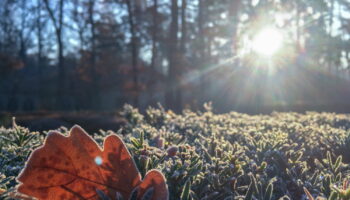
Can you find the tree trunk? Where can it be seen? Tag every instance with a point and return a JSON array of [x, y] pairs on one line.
[[201, 88], [172, 43], [23, 47], [183, 25], [61, 78], [179, 74], [298, 16], [233, 15], [330, 45], [154, 49], [134, 51], [61, 84], [40, 54], [94, 93]]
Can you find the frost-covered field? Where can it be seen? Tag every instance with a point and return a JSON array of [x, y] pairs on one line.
[[220, 156]]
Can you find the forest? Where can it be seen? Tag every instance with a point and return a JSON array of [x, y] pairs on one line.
[[248, 55], [175, 99]]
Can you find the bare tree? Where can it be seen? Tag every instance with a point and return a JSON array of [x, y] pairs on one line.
[[297, 26], [58, 26], [179, 89], [134, 48], [155, 30], [183, 25], [93, 71], [40, 57], [201, 46], [172, 54]]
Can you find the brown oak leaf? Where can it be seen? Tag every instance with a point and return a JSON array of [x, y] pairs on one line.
[[75, 167]]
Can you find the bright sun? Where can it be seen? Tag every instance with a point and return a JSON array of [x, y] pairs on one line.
[[267, 41]]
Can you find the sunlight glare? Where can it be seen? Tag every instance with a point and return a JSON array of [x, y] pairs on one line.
[[267, 41], [98, 160]]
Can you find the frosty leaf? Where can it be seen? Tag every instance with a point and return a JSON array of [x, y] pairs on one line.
[[75, 167], [156, 180]]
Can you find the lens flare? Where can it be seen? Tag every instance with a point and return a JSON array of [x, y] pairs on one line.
[[267, 42], [98, 160]]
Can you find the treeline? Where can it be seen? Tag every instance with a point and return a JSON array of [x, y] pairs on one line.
[[88, 54]]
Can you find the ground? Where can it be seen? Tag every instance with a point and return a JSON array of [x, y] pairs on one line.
[[222, 156]]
